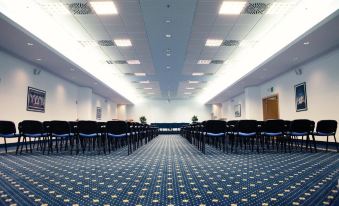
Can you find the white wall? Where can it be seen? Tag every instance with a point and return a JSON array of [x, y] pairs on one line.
[[108, 108], [61, 95], [322, 86], [164, 111], [228, 107]]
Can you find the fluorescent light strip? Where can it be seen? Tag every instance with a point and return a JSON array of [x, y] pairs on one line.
[[58, 33], [193, 82], [231, 7], [104, 7], [297, 22]]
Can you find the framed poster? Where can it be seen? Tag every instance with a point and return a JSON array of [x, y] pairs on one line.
[[300, 97], [36, 100], [237, 110], [98, 113]]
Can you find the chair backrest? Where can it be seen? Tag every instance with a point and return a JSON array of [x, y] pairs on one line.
[[31, 127], [327, 126], [7, 127], [301, 125], [117, 127], [87, 127], [247, 126], [60, 127], [47, 126], [274, 125], [215, 126]]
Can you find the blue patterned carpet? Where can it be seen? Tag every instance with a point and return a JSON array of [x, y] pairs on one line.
[[170, 171]]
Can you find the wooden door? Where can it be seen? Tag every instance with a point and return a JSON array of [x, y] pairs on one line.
[[271, 107]]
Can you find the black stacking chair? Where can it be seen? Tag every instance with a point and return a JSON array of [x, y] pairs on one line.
[[32, 129], [247, 132], [117, 131], [302, 128], [231, 130], [327, 128], [61, 132], [273, 131], [89, 134], [7, 130], [215, 130]]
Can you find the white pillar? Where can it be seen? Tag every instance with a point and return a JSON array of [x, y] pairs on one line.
[[84, 103], [253, 103]]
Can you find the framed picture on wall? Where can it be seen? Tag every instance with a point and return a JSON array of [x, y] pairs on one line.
[[98, 113], [300, 97], [36, 100], [237, 110]]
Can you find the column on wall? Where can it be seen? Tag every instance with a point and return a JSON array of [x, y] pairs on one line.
[[216, 111], [84, 103], [253, 103], [121, 111]]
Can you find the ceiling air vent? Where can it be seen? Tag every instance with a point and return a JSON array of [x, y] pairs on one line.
[[80, 8], [120, 62], [217, 62], [109, 62], [106, 43], [230, 43], [256, 8]]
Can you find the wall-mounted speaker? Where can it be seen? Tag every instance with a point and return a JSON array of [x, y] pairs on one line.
[[36, 71], [298, 71]]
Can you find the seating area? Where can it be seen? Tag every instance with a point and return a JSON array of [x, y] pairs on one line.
[[80, 136], [280, 135]]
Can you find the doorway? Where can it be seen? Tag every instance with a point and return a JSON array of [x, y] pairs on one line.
[[271, 107]]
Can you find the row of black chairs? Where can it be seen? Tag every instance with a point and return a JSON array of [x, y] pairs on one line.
[[281, 134], [57, 135]]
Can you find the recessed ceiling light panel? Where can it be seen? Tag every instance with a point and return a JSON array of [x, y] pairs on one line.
[[140, 74], [123, 42], [231, 7], [133, 61], [204, 61], [213, 42], [197, 74], [193, 82], [104, 7]]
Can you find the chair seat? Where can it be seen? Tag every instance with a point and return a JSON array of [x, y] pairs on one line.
[[298, 133], [9, 135], [247, 134], [62, 135], [272, 133], [87, 135], [323, 133], [116, 135], [35, 135], [215, 134]]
